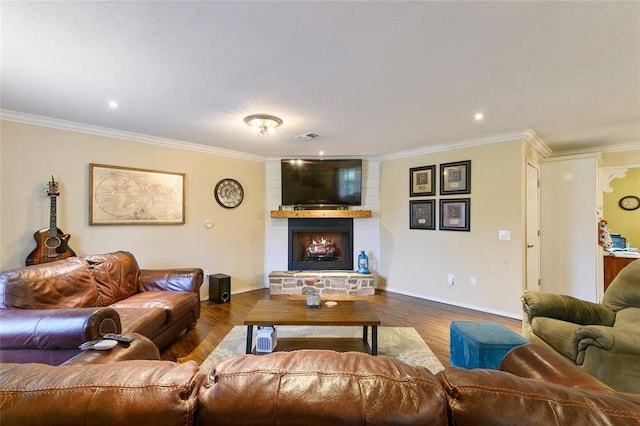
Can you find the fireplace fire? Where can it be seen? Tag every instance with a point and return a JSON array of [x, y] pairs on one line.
[[320, 244], [321, 250]]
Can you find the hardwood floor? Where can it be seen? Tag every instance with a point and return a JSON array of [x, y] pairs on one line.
[[431, 320]]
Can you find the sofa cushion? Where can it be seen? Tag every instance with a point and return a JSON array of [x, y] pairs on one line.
[[176, 303], [557, 334], [489, 397], [320, 387], [623, 290], [628, 319], [145, 321], [116, 275], [121, 393], [66, 283]]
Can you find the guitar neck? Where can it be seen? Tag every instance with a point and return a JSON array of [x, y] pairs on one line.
[[53, 227]]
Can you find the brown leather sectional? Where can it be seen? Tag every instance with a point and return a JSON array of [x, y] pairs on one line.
[[535, 386], [48, 310]]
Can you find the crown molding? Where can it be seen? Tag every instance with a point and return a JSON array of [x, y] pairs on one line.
[[599, 150], [527, 135], [54, 123], [536, 142]]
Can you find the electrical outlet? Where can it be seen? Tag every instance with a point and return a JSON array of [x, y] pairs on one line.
[[450, 279], [473, 281], [206, 274]]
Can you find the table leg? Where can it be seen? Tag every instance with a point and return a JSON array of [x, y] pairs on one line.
[[365, 334], [374, 340], [249, 339]]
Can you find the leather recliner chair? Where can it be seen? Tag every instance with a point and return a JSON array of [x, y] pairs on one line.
[[602, 338]]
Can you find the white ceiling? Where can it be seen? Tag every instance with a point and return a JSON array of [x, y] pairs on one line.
[[371, 78]]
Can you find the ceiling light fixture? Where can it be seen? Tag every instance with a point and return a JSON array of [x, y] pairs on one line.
[[479, 116], [263, 124]]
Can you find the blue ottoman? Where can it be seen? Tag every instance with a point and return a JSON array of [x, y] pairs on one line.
[[481, 344]]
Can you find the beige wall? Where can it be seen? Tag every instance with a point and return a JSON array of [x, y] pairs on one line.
[[31, 154], [416, 262], [624, 222]]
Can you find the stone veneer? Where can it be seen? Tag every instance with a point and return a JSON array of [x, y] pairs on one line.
[[323, 282]]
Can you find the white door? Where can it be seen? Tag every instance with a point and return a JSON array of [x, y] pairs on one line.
[[533, 227]]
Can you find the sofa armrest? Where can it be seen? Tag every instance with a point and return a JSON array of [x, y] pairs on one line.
[[185, 279], [565, 308], [607, 338], [55, 328], [140, 348], [539, 362], [490, 397]]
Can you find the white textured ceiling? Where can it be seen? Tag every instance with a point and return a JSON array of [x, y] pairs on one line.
[[371, 78]]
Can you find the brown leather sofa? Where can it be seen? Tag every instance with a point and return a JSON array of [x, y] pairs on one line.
[[536, 386], [48, 310]]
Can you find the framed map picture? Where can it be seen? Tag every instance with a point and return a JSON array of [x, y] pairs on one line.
[[130, 196]]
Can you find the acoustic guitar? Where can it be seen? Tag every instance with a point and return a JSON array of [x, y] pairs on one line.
[[51, 243]]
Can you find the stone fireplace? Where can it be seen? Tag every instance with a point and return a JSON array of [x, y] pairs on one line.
[[321, 255], [320, 244]]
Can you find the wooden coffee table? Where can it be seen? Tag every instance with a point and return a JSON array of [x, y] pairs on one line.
[[295, 312]]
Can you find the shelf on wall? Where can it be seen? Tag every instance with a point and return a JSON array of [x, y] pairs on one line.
[[320, 213]]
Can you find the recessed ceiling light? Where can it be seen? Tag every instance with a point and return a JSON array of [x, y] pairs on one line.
[[479, 116], [114, 105], [321, 153]]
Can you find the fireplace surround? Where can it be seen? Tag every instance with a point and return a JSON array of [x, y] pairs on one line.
[[320, 244]]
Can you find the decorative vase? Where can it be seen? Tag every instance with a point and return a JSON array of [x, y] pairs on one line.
[[363, 263]]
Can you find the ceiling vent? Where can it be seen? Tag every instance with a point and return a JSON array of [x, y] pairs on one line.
[[306, 136]]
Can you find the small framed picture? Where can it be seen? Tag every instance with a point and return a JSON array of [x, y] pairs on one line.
[[422, 214], [421, 181], [455, 214], [455, 178]]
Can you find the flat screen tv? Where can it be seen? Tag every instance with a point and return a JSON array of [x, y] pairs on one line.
[[318, 182]]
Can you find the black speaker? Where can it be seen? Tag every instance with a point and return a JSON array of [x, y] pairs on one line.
[[220, 288]]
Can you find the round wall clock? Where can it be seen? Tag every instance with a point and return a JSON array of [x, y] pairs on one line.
[[630, 202], [229, 193]]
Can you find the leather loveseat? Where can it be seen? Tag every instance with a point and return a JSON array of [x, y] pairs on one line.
[[602, 338], [536, 386], [48, 310]]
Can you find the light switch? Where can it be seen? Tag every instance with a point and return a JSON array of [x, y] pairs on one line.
[[504, 235]]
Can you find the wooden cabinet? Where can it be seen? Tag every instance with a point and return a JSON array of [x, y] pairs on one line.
[[612, 266]]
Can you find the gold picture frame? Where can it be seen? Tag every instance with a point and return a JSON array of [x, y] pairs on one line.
[[132, 196]]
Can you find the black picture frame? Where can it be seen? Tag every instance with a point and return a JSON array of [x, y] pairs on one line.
[[422, 181], [422, 214], [455, 214], [455, 178]]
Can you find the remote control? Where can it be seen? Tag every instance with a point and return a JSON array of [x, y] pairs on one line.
[[88, 345], [104, 345], [118, 337]]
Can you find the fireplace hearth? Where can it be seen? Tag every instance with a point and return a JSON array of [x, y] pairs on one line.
[[320, 244]]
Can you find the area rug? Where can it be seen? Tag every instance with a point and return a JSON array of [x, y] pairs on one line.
[[403, 343]]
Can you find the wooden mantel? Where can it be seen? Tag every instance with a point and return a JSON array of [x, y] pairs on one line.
[[320, 213]]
